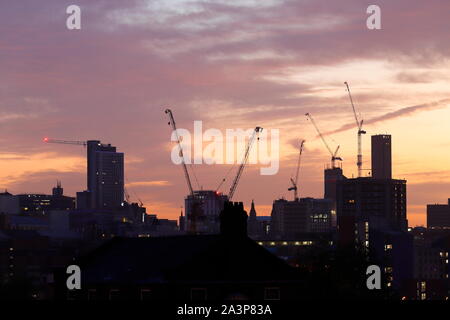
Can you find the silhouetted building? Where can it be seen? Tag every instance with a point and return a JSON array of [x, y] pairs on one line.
[[381, 157], [331, 177], [209, 204], [9, 203], [367, 203], [227, 266], [83, 200], [105, 175], [393, 252], [252, 223], [431, 266], [307, 215], [58, 191], [438, 216], [41, 203]]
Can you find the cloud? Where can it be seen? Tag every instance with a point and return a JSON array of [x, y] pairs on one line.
[[159, 183], [407, 111]]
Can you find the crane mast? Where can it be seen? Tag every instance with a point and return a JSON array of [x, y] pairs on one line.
[[295, 182], [334, 156], [243, 163], [359, 125]]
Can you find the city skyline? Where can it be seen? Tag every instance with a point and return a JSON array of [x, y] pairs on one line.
[[231, 66]]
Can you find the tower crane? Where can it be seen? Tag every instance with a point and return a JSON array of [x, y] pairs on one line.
[[244, 162], [294, 182], [359, 124], [79, 143], [196, 210], [185, 170], [334, 156]]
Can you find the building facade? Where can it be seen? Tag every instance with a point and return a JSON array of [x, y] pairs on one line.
[[381, 156], [105, 176], [209, 205], [438, 216], [307, 215]]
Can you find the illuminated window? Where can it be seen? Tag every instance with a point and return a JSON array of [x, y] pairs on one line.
[[423, 286], [423, 296]]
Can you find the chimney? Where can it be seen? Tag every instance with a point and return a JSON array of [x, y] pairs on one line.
[[233, 220]]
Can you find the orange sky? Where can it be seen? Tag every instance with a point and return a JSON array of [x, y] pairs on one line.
[[231, 64]]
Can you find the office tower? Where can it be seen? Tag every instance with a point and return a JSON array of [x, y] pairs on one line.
[[438, 216], [365, 204], [105, 175], [381, 156], [209, 204]]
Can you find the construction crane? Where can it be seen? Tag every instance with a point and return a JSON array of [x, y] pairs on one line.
[[359, 124], [79, 143], [183, 162], [294, 182], [334, 156], [243, 163], [196, 212]]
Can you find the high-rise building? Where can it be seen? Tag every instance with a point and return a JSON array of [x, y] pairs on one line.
[[381, 156], [438, 216], [370, 204], [208, 204], [331, 178], [105, 175]]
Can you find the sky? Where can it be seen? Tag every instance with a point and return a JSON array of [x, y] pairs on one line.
[[231, 64]]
